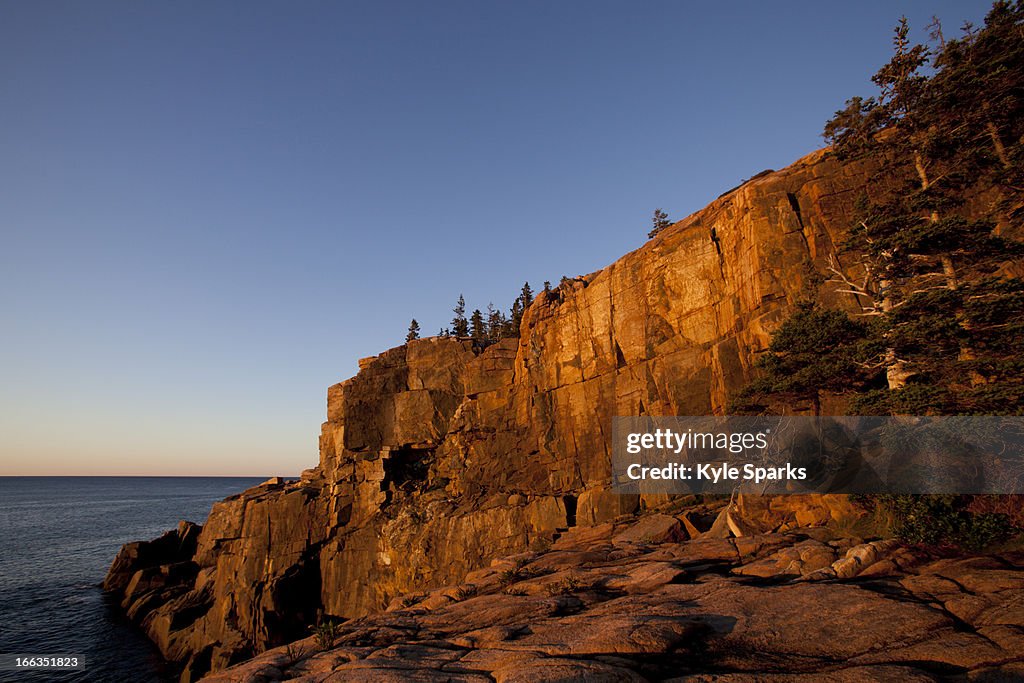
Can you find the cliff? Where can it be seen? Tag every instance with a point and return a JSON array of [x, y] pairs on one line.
[[439, 455]]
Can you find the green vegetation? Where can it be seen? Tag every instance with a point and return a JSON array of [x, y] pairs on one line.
[[935, 322], [519, 573], [465, 592], [326, 632], [944, 522], [414, 331], [937, 325], [460, 326], [519, 307], [570, 584], [659, 222], [477, 328], [813, 351], [293, 652], [484, 328], [494, 324]]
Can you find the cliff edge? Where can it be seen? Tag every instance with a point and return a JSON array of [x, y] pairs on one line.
[[440, 455]]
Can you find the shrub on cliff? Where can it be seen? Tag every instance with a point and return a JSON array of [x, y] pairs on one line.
[[813, 351], [326, 632], [944, 522]]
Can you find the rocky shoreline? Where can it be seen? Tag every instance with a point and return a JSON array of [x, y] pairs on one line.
[[690, 592], [443, 454], [632, 601]]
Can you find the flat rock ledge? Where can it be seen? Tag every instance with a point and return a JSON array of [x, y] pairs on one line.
[[635, 602]]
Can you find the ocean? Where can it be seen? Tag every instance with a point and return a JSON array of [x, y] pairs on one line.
[[58, 536]]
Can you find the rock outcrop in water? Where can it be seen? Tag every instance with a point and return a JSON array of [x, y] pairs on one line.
[[440, 455]]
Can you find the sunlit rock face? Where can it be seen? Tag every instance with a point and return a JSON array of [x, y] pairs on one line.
[[441, 454]]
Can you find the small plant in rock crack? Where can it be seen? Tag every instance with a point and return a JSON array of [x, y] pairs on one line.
[[520, 573], [326, 632], [465, 592], [510, 576], [410, 600], [513, 590], [570, 584], [293, 652]]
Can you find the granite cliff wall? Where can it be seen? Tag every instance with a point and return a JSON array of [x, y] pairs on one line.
[[440, 455]]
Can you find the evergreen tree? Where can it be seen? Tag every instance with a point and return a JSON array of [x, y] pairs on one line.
[[519, 306], [964, 121], [818, 350], [460, 326], [814, 350], [963, 346], [496, 323], [477, 325], [515, 320], [414, 331], [976, 96], [547, 286], [941, 329], [910, 236], [853, 131], [941, 334], [659, 222], [526, 295]]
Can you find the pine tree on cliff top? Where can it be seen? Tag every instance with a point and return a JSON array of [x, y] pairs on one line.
[[414, 331], [477, 326], [497, 323], [526, 295], [659, 222], [460, 326], [515, 320], [519, 306]]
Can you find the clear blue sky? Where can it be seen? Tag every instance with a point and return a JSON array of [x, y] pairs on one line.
[[210, 210]]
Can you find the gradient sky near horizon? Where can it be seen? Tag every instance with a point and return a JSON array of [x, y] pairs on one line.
[[210, 210]]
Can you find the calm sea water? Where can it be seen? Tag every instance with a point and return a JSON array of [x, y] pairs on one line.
[[58, 536]]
